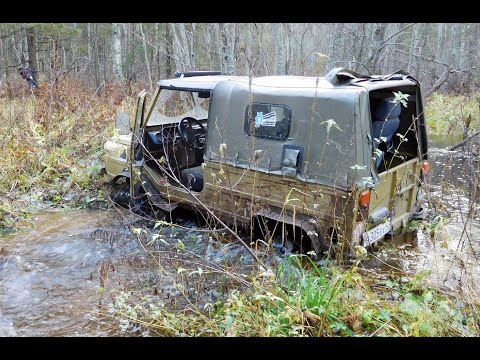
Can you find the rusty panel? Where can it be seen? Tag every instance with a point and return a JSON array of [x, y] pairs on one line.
[[397, 190]]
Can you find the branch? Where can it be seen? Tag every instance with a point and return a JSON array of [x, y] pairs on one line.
[[439, 82], [13, 66], [158, 49], [65, 72], [464, 141], [398, 32], [424, 58], [389, 44], [13, 32], [443, 78]]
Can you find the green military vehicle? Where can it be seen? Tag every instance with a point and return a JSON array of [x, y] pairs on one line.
[[333, 162]]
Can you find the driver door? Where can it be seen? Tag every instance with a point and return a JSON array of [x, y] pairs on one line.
[[135, 155]]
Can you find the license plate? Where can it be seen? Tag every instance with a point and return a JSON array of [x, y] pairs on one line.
[[375, 234]]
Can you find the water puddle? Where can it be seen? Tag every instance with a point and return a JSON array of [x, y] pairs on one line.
[[447, 251], [48, 275], [61, 276]]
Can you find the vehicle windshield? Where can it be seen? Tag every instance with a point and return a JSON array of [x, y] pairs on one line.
[[173, 105]]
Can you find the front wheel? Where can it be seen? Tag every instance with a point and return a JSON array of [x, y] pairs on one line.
[[120, 195]]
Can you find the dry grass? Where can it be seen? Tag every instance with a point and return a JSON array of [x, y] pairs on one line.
[[52, 142]]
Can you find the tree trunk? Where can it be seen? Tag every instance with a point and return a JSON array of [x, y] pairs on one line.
[[219, 47], [184, 46], [192, 57], [89, 46], [55, 57], [105, 64], [157, 51], [32, 49], [473, 31], [147, 62], [96, 57], [335, 46], [3, 58], [289, 52], [460, 35], [207, 32], [228, 37], [117, 52], [378, 36], [277, 34], [180, 47], [248, 51], [169, 65], [412, 49]]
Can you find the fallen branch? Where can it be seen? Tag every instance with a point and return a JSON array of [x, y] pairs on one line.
[[464, 141], [439, 82]]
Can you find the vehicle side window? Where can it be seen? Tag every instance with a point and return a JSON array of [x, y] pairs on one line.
[[271, 121]]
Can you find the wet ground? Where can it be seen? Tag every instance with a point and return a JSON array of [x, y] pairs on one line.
[[48, 275], [447, 251], [59, 276], [60, 273]]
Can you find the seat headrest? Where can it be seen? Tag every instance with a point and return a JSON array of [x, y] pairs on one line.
[[386, 109]]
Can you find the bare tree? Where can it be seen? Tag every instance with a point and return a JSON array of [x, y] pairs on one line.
[[280, 56], [169, 66], [147, 62], [228, 38], [377, 41], [441, 56], [117, 51], [32, 48]]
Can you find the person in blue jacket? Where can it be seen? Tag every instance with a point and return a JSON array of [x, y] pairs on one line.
[[29, 75]]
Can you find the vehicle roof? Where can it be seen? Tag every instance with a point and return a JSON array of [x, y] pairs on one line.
[[208, 83], [197, 82]]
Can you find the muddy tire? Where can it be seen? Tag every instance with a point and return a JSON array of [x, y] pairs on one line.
[[120, 195]]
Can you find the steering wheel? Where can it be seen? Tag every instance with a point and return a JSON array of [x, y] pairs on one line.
[[193, 138]]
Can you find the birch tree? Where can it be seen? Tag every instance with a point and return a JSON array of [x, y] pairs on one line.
[[228, 38], [117, 51]]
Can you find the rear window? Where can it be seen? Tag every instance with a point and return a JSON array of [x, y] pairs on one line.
[[271, 121]]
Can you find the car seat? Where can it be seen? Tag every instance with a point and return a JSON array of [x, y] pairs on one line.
[[386, 119]]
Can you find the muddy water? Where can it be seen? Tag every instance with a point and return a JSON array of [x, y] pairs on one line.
[[59, 276], [48, 275], [447, 251]]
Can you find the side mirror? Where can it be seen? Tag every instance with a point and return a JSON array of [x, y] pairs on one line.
[[122, 122]]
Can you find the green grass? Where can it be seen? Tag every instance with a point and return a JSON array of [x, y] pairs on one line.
[[302, 299], [448, 115]]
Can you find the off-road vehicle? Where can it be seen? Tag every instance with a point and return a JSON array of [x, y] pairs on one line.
[[332, 161]]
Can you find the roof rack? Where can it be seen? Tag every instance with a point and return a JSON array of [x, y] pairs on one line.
[[182, 74]]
